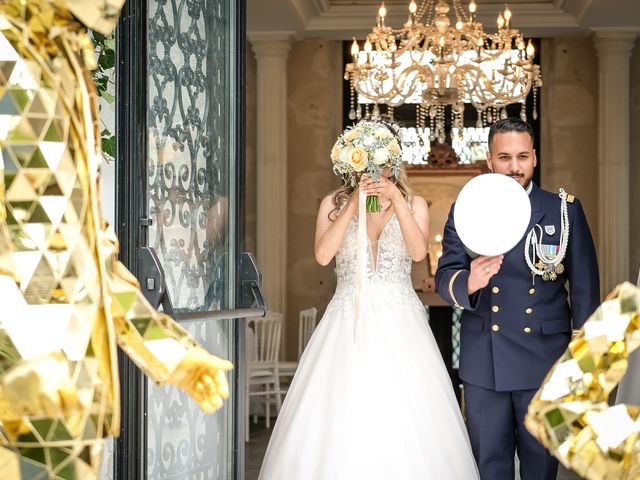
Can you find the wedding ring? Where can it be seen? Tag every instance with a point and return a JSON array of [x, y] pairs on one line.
[[487, 269]]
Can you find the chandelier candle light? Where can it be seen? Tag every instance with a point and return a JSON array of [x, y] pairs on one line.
[[433, 64]]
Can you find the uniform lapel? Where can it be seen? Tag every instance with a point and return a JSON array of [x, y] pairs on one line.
[[536, 207]]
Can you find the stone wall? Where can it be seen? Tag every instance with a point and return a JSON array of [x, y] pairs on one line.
[[315, 120], [634, 177], [569, 121]]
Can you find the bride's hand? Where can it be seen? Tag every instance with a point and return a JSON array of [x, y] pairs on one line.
[[382, 188]]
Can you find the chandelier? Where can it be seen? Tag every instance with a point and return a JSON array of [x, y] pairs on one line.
[[433, 64]]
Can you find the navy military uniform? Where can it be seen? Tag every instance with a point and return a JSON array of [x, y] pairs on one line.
[[512, 332]]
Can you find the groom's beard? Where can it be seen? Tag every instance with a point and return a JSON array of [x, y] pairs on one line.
[[520, 178]]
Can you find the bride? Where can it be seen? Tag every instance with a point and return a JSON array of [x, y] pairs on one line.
[[371, 398]]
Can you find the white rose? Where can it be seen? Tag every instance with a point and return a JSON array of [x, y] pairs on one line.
[[382, 133], [345, 154], [368, 141], [380, 156]]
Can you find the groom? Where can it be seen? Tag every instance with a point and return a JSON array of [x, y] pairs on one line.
[[516, 324]]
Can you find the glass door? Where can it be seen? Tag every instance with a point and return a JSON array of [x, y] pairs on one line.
[[190, 180], [180, 149]]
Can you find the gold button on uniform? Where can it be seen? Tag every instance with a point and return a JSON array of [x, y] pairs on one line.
[[495, 289], [532, 291], [495, 309], [495, 327], [529, 310], [527, 329]]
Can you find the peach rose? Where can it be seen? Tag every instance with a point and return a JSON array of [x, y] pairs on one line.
[[352, 134], [335, 153], [358, 158], [394, 148]]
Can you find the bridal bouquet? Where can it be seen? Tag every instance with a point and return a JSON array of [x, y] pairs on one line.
[[368, 147]]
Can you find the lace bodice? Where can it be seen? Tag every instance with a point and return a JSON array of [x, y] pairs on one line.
[[388, 262]]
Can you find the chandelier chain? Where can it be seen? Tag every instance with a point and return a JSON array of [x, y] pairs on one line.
[[460, 16], [425, 6]]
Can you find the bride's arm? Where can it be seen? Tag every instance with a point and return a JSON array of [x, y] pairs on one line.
[[414, 224], [329, 234]]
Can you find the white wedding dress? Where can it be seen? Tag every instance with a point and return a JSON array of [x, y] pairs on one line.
[[379, 405]]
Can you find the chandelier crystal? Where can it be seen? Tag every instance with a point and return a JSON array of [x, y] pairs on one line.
[[433, 64]]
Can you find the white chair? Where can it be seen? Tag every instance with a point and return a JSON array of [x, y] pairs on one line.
[[263, 344], [307, 324]]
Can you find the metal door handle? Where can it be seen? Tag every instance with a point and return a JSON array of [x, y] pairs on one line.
[[252, 302], [154, 288], [154, 285]]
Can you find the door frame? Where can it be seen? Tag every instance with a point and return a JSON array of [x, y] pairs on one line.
[[129, 459]]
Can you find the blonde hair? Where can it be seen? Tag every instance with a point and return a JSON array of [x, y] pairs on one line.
[[341, 196]]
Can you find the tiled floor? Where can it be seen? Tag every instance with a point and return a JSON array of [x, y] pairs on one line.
[[256, 447]]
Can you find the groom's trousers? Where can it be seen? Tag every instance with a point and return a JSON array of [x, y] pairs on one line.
[[495, 421]]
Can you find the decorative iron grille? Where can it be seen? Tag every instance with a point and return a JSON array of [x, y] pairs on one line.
[[189, 94]]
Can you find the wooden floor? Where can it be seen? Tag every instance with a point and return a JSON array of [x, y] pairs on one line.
[[257, 446]]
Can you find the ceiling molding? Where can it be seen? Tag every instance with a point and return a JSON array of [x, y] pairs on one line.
[[617, 32], [583, 9], [577, 8], [270, 35], [535, 18], [308, 9], [321, 18]]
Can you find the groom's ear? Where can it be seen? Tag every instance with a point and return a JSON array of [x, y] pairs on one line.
[[489, 164]]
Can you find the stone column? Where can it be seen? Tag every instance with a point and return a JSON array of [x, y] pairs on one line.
[[614, 50], [271, 50]]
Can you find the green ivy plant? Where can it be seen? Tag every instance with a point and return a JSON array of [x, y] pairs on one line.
[[103, 78]]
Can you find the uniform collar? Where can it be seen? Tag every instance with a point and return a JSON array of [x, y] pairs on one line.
[[530, 187]]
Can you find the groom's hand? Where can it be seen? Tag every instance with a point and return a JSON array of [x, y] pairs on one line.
[[482, 269]]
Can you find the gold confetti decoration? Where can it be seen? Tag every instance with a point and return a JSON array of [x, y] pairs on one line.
[[570, 414], [70, 301]]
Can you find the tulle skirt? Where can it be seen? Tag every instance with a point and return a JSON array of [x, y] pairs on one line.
[[377, 405]]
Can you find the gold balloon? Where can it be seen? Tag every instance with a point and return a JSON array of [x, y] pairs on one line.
[[570, 414], [66, 301]]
